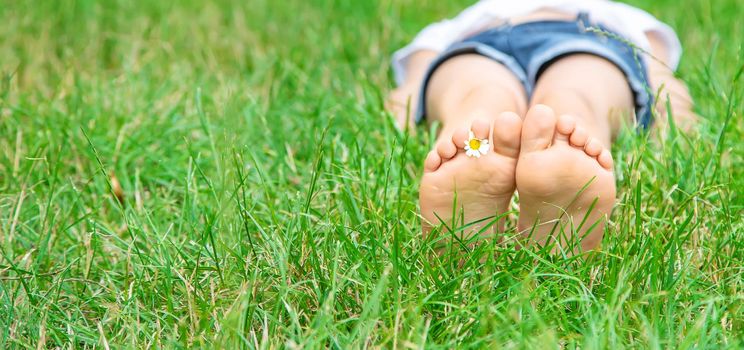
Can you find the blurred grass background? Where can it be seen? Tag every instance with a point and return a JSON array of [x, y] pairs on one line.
[[268, 202]]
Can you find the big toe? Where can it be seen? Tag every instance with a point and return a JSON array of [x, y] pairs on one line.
[[507, 130], [538, 128]]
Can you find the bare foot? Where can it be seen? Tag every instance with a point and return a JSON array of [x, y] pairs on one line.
[[479, 187], [563, 177]]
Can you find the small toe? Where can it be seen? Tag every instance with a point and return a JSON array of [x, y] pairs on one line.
[[538, 128], [480, 128], [460, 137], [579, 137], [432, 162], [446, 149], [605, 159], [593, 147], [565, 126]]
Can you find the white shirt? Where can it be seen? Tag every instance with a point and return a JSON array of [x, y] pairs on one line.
[[628, 21]]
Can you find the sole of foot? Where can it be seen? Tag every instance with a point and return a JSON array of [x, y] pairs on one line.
[[565, 182], [459, 189]]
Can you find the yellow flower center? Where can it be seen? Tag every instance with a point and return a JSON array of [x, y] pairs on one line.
[[474, 143]]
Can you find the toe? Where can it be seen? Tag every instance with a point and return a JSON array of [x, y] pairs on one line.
[[507, 129], [593, 147], [480, 128], [538, 128], [432, 162], [565, 126], [460, 137], [605, 159], [446, 149], [579, 137]]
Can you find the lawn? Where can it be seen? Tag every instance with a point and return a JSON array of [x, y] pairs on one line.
[[223, 174]]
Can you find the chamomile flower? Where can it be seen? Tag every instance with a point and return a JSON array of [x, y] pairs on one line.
[[475, 147]]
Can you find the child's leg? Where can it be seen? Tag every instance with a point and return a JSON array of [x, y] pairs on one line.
[[471, 92], [466, 86], [576, 110]]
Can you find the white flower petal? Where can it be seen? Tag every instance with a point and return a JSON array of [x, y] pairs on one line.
[[485, 147], [467, 146], [471, 135], [471, 152]]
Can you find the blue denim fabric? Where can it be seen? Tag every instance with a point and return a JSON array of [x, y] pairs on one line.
[[528, 48]]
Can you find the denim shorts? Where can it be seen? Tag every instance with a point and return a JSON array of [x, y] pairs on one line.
[[526, 49]]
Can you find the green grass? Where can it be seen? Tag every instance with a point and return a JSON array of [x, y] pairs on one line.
[[269, 203]]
